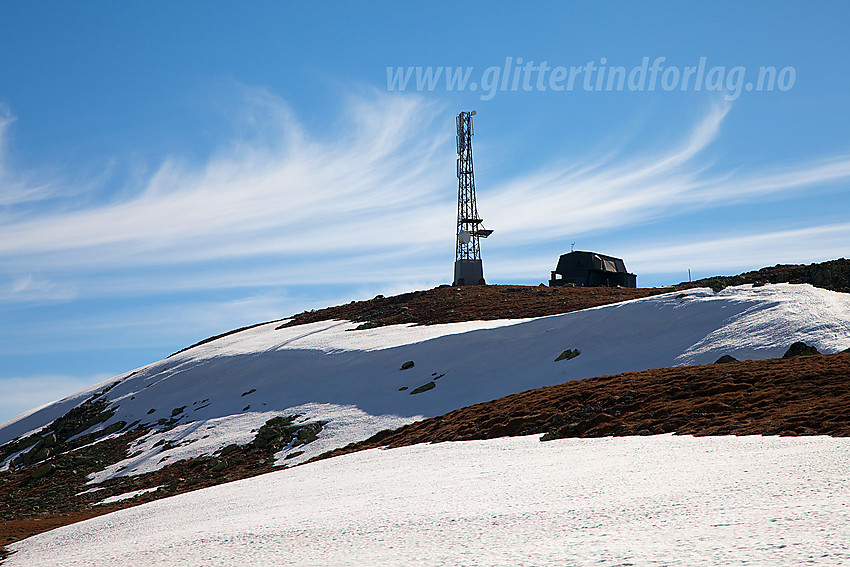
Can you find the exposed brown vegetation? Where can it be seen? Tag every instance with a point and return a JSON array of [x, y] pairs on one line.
[[29, 505], [473, 303], [834, 275]]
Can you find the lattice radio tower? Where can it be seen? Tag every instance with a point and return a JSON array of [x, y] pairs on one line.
[[468, 268]]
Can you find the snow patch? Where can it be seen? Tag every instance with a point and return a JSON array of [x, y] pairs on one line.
[[129, 495], [662, 500]]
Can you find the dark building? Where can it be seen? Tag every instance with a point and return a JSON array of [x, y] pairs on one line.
[[592, 269]]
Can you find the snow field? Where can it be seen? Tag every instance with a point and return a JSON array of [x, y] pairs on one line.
[[661, 500]]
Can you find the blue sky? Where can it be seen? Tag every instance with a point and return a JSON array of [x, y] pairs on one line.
[[170, 171]]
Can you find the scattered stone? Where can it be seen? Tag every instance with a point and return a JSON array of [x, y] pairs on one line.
[[368, 325], [54, 438], [115, 427], [407, 365], [800, 349], [229, 449], [18, 445], [424, 388], [86, 415], [48, 441], [43, 471], [309, 432], [251, 391], [568, 354], [276, 433], [279, 432]]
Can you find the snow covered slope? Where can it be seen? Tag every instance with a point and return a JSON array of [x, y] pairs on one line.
[[662, 500], [352, 381]]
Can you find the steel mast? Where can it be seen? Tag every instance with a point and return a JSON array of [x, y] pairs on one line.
[[468, 269]]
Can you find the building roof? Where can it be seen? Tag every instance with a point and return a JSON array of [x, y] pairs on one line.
[[590, 261]]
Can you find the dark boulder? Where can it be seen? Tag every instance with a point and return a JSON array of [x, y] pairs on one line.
[[800, 349]]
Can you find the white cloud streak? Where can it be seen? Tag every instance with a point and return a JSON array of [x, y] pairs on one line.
[[806, 245], [617, 191], [19, 187], [31, 288], [14, 188], [375, 196], [299, 197]]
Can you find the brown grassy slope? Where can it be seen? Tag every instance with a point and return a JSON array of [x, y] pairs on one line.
[[448, 304], [834, 275], [29, 505], [797, 396]]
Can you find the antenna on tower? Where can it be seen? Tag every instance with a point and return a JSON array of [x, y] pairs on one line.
[[470, 227]]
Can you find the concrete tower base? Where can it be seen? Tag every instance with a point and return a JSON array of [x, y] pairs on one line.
[[468, 272]]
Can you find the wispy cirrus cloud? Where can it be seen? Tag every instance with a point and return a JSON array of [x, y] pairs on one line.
[[804, 245], [373, 202], [15, 188], [22, 188], [31, 288], [618, 190], [297, 196]]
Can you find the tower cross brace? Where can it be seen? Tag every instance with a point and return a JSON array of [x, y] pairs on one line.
[[467, 268]]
